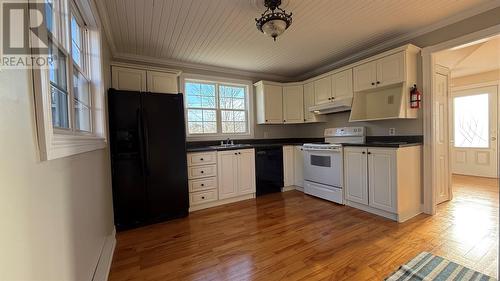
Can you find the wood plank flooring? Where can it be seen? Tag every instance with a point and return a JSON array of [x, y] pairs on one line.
[[292, 236]]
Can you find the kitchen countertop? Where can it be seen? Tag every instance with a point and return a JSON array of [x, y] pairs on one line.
[[371, 141]]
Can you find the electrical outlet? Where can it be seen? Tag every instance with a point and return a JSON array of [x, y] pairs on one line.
[[392, 131]]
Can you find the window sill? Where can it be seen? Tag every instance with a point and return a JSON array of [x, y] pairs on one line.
[[218, 137], [68, 145]]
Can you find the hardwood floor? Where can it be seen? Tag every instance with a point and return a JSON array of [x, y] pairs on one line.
[[292, 236]]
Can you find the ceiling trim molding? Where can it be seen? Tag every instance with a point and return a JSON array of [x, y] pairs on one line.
[[400, 39], [104, 17], [202, 67]]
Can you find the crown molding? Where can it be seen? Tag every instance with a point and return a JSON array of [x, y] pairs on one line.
[[185, 67], [400, 39]]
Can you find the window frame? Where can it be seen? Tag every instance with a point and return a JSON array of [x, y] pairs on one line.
[[55, 142], [220, 81]]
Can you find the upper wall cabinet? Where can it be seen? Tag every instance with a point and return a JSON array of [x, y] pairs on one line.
[[269, 97], [323, 90], [293, 104], [383, 72], [342, 84], [309, 100], [144, 80]]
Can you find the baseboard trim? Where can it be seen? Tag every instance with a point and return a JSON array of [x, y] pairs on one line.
[[104, 264], [221, 202], [287, 188]]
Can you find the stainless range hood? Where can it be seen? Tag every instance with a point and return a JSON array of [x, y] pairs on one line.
[[338, 105]]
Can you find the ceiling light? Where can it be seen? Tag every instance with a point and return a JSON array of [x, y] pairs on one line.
[[274, 21]]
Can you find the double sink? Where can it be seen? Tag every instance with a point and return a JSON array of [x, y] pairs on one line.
[[230, 146]]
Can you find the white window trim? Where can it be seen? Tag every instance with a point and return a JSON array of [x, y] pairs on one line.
[[56, 143], [221, 80]]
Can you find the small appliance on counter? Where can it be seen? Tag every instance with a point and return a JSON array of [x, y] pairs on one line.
[[323, 163]]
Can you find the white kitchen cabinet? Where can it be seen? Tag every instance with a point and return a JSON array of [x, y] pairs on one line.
[[323, 90], [128, 79], [342, 84], [144, 80], [293, 104], [162, 82], [288, 165], [365, 76], [382, 72], [298, 166], [355, 174], [384, 181], [269, 98], [310, 117], [236, 172]]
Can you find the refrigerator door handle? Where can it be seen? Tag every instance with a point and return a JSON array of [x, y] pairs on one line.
[[146, 139], [141, 140]]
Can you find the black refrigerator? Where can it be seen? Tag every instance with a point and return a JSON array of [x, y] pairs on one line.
[[148, 157]]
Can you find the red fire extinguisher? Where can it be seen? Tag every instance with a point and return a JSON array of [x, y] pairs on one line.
[[415, 97]]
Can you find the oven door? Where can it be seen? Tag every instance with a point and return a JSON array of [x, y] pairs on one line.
[[324, 166]]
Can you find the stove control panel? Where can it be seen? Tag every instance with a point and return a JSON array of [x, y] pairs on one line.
[[345, 132]]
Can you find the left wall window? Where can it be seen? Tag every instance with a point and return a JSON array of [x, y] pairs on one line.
[[71, 90]]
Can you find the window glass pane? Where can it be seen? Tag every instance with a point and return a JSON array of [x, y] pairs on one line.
[[76, 42], [82, 116], [233, 121], [200, 95], [471, 121], [81, 88], [202, 121], [49, 16], [232, 97], [57, 67], [59, 105]]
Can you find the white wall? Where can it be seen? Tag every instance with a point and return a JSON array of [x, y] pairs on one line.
[[55, 215]]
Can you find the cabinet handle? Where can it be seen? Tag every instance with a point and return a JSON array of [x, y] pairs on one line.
[[333, 98], [239, 152], [369, 152], [202, 172], [363, 152], [284, 120], [235, 153], [202, 184], [378, 82], [202, 197], [304, 120], [201, 159], [267, 120], [373, 83]]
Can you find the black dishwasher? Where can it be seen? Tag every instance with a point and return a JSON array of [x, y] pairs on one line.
[[269, 169]]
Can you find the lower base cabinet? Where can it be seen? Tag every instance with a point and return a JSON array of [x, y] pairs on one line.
[[384, 181], [217, 178]]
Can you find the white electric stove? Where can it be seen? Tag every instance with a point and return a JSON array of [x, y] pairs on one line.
[[323, 163]]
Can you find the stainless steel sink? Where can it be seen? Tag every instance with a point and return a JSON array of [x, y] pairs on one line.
[[230, 146]]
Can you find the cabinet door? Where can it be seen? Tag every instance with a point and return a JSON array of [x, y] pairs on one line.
[[128, 79], [342, 84], [323, 90], [288, 176], [355, 174], [308, 102], [298, 166], [293, 104], [162, 82], [365, 76], [382, 179], [273, 103], [227, 163], [246, 171], [391, 69]]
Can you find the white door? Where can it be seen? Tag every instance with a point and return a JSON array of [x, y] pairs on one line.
[[308, 102], [323, 90], [356, 174], [227, 170], [288, 161], [298, 166], [246, 171], [128, 79], [474, 134], [342, 84], [162, 82], [273, 103], [382, 179], [391, 69], [440, 130], [293, 104], [365, 76]]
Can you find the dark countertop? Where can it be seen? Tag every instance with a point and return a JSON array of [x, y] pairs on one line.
[[249, 143], [384, 144], [389, 141]]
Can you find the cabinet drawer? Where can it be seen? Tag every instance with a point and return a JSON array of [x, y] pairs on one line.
[[202, 184], [202, 171], [201, 197], [202, 158]]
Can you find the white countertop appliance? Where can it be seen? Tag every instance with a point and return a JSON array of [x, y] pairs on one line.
[[323, 163]]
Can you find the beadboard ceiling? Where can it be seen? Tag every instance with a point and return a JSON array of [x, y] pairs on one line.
[[222, 33], [477, 58]]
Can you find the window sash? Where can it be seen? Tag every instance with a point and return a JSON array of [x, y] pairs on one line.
[[219, 109]]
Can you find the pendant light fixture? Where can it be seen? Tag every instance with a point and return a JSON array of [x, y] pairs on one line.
[[274, 21]]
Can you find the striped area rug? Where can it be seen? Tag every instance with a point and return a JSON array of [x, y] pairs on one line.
[[427, 266]]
